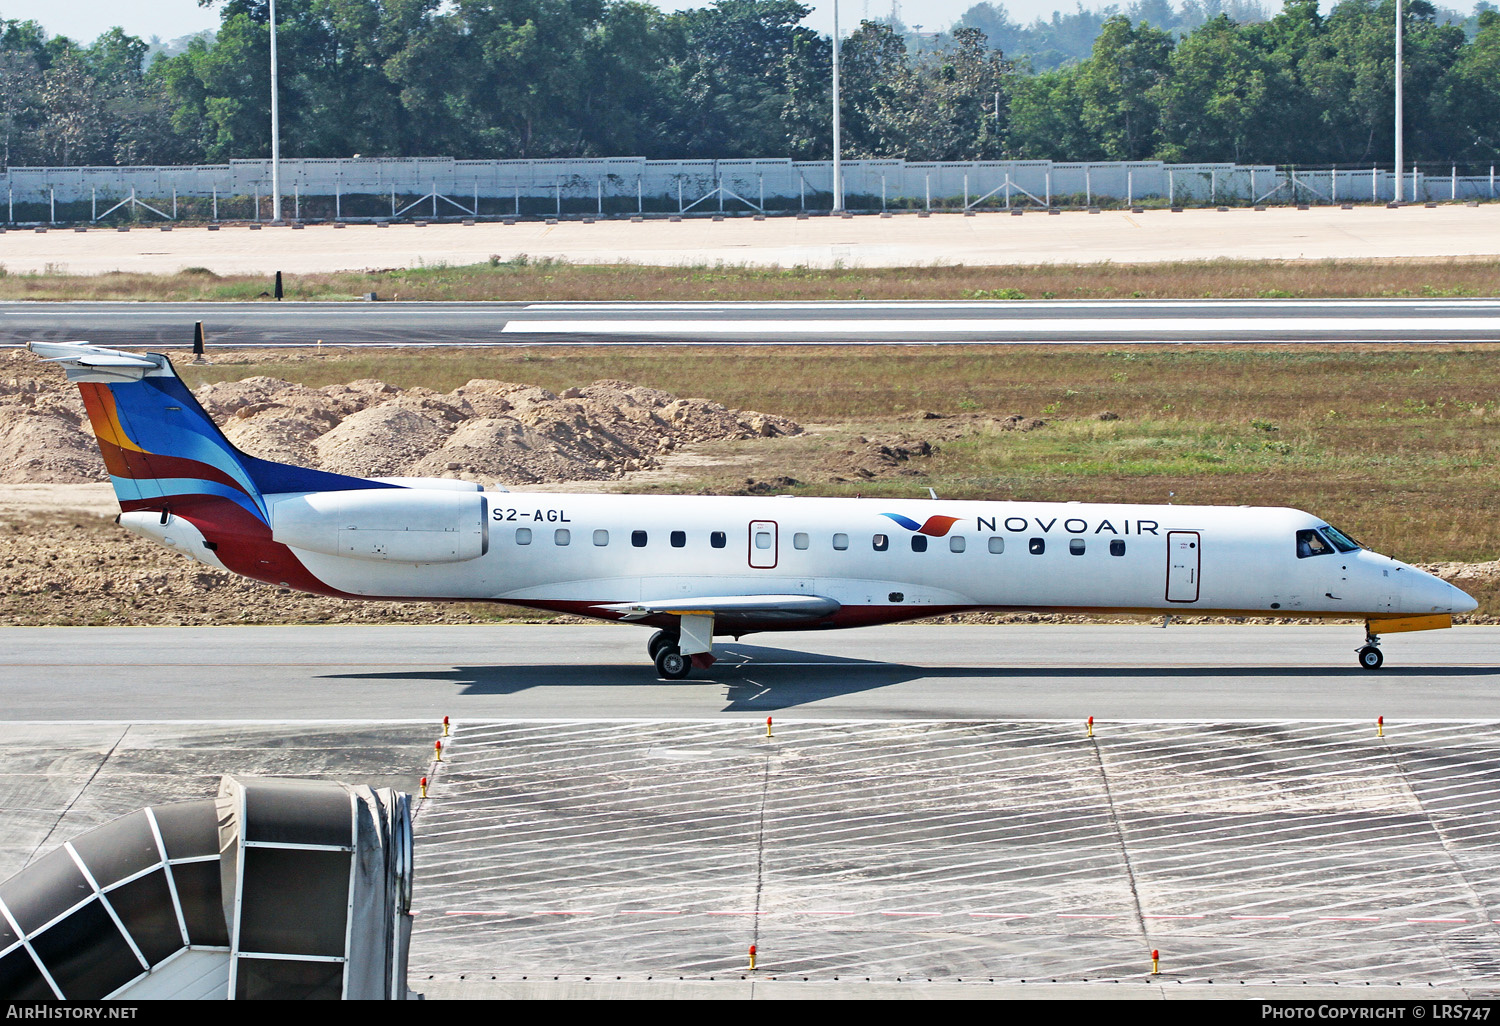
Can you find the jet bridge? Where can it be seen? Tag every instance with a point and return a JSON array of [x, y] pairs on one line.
[[277, 888]]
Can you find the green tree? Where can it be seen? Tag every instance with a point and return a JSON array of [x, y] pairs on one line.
[[1120, 87], [1214, 103]]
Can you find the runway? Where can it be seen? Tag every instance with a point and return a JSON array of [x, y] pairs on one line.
[[1016, 671], [1125, 322], [930, 815]]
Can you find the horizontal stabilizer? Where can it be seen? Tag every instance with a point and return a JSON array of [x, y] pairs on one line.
[[752, 608], [82, 361]]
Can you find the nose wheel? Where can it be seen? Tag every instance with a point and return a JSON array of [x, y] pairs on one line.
[[1369, 656]]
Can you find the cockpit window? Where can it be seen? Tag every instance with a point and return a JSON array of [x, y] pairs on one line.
[[1311, 543], [1341, 541]]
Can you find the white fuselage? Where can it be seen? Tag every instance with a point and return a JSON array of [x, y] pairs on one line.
[[577, 551]]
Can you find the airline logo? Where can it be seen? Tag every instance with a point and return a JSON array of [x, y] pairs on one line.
[[935, 527]]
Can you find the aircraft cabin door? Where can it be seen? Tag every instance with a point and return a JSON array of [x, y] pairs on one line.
[[1184, 561], [763, 543]]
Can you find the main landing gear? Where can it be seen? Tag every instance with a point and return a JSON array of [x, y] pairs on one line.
[[1369, 655], [671, 664]]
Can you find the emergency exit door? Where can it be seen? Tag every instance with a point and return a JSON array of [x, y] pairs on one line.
[[1184, 562], [763, 544]]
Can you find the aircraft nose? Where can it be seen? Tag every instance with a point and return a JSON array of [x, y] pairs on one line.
[[1429, 594]]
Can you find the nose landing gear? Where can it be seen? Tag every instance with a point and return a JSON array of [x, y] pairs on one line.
[[1369, 654]]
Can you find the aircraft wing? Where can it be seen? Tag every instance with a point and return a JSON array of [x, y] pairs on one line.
[[757, 609]]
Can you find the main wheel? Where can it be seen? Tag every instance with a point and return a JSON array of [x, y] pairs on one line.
[[671, 663], [658, 640], [1370, 657]]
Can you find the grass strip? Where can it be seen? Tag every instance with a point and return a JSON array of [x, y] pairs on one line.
[[533, 280]]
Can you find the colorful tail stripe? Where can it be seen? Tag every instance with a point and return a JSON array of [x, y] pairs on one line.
[[159, 444], [935, 527]]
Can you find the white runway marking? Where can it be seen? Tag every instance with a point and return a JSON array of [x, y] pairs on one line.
[[1036, 328]]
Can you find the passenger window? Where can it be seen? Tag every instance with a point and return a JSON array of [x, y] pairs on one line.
[[1117, 547], [799, 540], [601, 537], [956, 543], [919, 543], [638, 539], [523, 536], [562, 536], [762, 539], [1311, 543], [881, 543], [679, 539], [717, 539], [1038, 546], [841, 542], [997, 545], [1076, 546]]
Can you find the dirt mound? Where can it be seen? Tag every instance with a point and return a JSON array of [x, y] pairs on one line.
[[1463, 574], [488, 431], [879, 457]]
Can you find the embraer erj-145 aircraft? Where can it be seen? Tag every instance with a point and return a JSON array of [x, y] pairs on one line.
[[697, 567]]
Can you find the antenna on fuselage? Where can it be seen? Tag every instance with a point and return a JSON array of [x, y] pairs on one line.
[[931, 492]]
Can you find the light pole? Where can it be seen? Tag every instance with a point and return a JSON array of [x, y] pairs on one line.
[[1399, 154], [275, 130], [838, 169]]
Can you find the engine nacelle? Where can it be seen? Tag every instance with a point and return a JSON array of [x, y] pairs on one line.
[[395, 525]]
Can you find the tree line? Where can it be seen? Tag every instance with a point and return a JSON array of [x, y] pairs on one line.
[[1213, 80]]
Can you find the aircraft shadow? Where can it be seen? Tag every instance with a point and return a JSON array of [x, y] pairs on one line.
[[758, 678]]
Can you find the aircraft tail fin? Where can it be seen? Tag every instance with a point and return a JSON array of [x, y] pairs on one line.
[[161, 447]]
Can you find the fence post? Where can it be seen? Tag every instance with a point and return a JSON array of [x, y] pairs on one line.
[[558, 186], [1453, 192], [1088, 187], [518, 199], [1213, 186], [762, 192], [393, 201], [338, 202], [929, 192], [640, 197], [174, 201], [599, 195], [1049, 188], [296, 202], [679, 195], [1333, 185], [1374, 187], [1130, 188], [434, 199], [966, 192], [1171, 189], [52, 206], [882, 195], [93, 203]]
